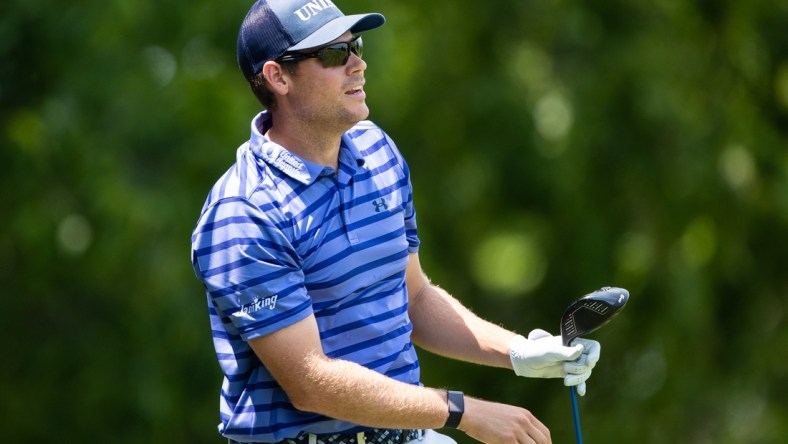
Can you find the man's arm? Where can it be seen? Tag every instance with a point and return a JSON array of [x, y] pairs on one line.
[[442, 325], [348, 391], [342, 389]]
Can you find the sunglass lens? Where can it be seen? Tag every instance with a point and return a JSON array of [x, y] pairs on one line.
[[338, 55], [357, 47], [334, 56]]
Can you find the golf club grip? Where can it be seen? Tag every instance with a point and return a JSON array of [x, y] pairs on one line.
[[576, 413]]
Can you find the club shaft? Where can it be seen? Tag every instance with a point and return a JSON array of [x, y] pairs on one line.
[[576, 413]]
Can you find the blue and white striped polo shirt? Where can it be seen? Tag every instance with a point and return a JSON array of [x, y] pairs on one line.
[[280, 238]]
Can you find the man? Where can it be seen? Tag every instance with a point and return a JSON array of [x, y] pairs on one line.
[[308, 249]]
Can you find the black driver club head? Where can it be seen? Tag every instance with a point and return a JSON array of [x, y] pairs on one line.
[[591, 312]]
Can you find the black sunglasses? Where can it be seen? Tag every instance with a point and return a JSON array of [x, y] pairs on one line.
[[330, 56]]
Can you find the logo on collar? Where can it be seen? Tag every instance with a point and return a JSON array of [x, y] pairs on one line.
[[313, 8], [288, 163]]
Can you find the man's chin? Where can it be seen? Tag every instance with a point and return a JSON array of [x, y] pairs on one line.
[[360, 113]]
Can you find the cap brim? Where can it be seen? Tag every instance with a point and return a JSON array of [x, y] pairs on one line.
[[340, 25]]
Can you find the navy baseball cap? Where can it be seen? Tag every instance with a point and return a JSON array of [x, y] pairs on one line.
[[273, 27]]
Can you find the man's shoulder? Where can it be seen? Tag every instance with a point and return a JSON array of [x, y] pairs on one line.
[[364, 127], [246, 180], [367, 135]]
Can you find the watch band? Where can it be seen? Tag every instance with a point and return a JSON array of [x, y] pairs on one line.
[[456, 408]]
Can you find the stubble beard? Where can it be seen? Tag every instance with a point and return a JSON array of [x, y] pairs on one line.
[[335, 118]]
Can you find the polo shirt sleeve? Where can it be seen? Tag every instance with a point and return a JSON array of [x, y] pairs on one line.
[[411, 228], [249, 268]]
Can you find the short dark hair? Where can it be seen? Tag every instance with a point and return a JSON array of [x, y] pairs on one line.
[[260, 89]]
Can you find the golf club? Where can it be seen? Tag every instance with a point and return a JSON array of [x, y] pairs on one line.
[[584, 316]]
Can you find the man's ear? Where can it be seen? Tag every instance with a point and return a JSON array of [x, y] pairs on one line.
[[276, 77]]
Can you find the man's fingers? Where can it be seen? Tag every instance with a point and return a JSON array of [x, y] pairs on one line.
[[536, 431], [579, 370], [577, 367], [594, 352], [592, 349], [587, 360], [572, 353], [570, 380], [560, 356]]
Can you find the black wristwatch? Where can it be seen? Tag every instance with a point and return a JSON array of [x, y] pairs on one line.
[[456, 408]]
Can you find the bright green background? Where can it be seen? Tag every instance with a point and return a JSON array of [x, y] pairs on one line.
[[556, 146]]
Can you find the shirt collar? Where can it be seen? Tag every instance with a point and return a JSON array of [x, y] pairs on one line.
[[280, 158], [293, 165], [349, 153]]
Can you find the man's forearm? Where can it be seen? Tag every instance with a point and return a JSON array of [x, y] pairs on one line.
[[342, 389], [442, 325], [347, 391]]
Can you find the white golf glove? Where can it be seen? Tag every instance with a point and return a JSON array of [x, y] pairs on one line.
[[543, 355]]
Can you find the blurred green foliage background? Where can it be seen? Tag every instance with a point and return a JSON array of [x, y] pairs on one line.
[[557, 146]]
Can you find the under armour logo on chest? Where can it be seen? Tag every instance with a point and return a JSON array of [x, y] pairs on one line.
[[380, 205]]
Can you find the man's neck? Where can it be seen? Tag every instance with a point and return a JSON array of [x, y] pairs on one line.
[[312, 144]]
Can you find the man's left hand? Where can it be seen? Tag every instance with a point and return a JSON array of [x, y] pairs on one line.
[[543, 355]]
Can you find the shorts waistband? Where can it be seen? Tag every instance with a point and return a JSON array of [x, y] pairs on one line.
[[373, 436]]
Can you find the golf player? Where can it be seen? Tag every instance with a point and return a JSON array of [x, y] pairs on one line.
[[308, 249]]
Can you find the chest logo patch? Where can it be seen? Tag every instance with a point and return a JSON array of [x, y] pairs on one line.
[[380, 205]]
